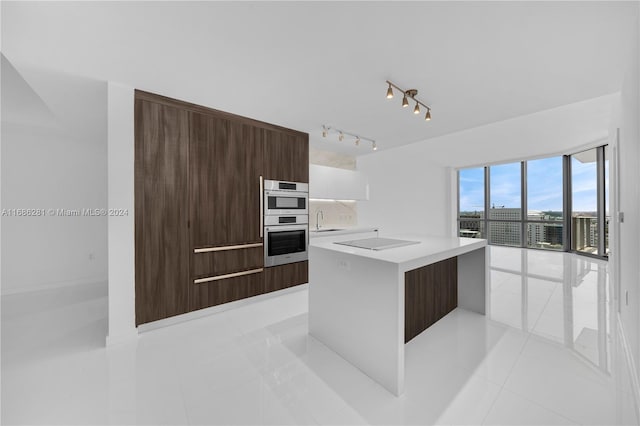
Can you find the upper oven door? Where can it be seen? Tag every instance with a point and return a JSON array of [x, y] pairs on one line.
[[286, 203]]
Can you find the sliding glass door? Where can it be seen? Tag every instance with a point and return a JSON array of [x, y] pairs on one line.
[[589, 202], [584, 202]]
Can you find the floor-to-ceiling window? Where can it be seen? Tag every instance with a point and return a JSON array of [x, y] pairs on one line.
[[545, 211], [589, 201], [554, 203], [471, 202], [505, 211], [584, 202]]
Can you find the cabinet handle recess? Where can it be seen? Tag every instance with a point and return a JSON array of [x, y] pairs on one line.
[[222, 277], [261, 206], [223, 248]]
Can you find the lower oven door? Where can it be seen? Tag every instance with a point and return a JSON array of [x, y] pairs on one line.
[[285, 244]]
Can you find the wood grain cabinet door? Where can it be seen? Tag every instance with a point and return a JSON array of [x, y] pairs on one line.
[[161, 215], [430, 293], [284, 276], [227, 290], [286, 156], [225, 169]]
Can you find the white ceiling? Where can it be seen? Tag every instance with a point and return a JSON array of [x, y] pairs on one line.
[[304, 64]]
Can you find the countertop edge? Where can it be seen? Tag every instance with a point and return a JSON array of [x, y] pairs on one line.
[[421, 256]]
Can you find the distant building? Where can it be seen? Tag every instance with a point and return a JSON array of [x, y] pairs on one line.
[[505, 228], [470, 225], [504, 233]]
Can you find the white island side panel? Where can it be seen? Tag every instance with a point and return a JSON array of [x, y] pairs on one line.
[[356, 307]]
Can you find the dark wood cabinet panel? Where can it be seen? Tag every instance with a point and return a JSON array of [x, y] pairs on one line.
[[284, 276], [227, 290], [430, 293], [286, 156], [227, 262], [161, 214], [225, 169], [197, 185]]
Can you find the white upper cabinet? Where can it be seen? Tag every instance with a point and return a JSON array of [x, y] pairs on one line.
[[337, 184]]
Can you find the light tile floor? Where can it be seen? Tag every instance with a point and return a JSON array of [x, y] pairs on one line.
[[546, 353]]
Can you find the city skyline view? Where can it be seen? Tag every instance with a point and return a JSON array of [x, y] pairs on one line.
[[544, 189]]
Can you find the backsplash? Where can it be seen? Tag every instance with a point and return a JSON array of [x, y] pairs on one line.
[[337, 214], [331, 159]]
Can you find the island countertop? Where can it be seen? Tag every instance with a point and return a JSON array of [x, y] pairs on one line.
[[363, 302], [430, 249]]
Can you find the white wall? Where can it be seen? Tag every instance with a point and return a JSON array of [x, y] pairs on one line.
[[553, 131], [53, 157], [408, 193], [121, 228], [410, 186], [627, 120]]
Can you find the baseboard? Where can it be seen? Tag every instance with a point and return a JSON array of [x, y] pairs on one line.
[[631, 365], [52, 286], [217, 309]]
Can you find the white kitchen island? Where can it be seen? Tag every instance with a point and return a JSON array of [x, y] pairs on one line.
[[357, 296]]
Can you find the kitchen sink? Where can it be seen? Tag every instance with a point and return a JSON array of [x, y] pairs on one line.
[[326, 229]]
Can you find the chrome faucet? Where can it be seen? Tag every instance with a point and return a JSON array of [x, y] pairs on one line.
[[319, 213]]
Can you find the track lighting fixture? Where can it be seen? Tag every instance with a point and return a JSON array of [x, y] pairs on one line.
[[389, 92], [411, 93], [342, 133]]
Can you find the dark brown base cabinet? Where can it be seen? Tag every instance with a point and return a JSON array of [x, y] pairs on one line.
[[430, 293], [284, 276], [198, 241]]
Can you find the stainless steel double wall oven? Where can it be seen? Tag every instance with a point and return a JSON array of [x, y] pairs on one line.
[[286, 222]]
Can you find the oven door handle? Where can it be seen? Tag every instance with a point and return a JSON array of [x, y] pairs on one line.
[[288, 194], [280, 228]]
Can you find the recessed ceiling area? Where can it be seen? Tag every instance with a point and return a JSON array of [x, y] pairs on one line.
[[305, 64]]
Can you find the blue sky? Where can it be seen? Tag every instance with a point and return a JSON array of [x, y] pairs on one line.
[[544, 179]]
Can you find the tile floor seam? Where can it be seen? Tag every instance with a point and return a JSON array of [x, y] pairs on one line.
[[502, 388], [529, 399], [516, 352], [540, 314], [595, 370], [578, 422]]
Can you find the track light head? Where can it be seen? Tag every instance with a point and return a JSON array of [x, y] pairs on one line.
[[406, 94], [374, 146], [357, 139]]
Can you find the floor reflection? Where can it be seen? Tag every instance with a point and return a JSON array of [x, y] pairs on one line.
[[547, 352], [561, 297]]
